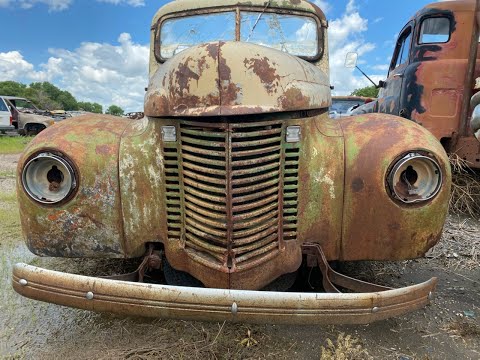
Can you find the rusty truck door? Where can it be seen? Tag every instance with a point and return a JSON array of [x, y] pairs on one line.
[[391, 94]]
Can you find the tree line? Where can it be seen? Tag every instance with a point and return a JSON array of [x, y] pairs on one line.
[[49, 97]]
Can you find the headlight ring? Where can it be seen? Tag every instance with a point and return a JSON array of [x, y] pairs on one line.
[[49, 178], [415, 178]]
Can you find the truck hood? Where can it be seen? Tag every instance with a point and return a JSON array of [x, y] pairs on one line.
[[235, 78]]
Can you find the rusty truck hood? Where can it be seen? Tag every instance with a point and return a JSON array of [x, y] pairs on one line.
[[234, 78]]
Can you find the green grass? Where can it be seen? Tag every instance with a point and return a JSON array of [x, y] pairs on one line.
[[9, 217], [13, 144], [7, 174]]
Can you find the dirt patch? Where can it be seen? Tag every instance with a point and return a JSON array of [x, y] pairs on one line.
[[447, 329]]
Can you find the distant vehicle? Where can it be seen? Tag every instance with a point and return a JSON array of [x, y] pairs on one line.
[[134, 115], [6, 119], [431, 78], [26, 117], [77, 113], [345, 105]]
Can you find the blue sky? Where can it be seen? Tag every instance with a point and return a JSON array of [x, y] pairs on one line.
[[98, 49]]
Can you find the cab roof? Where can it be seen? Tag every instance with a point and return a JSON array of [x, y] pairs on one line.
[[179, 6], [455, 5]]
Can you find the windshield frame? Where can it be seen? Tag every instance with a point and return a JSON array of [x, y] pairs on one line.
[[238, 10]]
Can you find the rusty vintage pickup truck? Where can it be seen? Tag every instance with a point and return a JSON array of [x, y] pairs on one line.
[[431, 78], [233, 179]]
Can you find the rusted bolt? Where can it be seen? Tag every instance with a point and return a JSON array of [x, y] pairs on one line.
[[89, 295], [375, 309], [234, 308], [23, 282]]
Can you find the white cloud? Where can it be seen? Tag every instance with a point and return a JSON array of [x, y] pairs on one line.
[[103, 73], [345, 35], [381, 67], [53, 5], [127, 2], [323, 4], [60, 5], [13, 65]]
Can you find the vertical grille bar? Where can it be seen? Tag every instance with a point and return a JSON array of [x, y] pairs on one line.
[[290, 192], [173, 191]]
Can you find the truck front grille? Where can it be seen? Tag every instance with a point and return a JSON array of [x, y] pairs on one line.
[[232, 195]]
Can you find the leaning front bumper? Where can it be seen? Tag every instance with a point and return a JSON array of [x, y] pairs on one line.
[[139, 299]]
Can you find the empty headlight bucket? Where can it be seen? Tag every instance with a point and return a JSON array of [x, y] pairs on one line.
[[415, 178], [49, 178]]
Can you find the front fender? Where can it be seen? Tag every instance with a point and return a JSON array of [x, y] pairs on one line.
[[90, 224], [376, 227]]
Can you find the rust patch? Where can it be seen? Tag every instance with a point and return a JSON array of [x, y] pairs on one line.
[[265, 72], [104, 150], [294, 99], [212, 49], [229, 91], [358, 184], [184, 74]]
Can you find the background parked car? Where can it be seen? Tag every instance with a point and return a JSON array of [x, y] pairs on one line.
[[6, 119], [343, 106], [27, 118]]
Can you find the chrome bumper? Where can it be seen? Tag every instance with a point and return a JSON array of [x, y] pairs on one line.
[[147, 300]]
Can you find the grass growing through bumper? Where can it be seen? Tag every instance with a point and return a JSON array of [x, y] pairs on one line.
[[13, 144]]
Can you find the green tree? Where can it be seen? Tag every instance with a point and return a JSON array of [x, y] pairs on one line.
[[41, 99], [62, 98], [114, 110], [67, 100], [369, 91], [90, 107], [12, 88]]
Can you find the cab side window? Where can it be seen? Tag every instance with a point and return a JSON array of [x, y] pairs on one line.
[[403, 49], [435, 30]]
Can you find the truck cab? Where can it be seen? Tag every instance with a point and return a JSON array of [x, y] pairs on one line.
[[432, 74]]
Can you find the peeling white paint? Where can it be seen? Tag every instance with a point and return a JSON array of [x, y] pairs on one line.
[[323, 177]]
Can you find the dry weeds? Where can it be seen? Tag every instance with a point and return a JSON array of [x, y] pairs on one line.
[[463, 328], [465, 197], [344, 348]]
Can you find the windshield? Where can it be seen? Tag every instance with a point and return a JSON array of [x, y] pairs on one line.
[[181, 33], [294, 34]]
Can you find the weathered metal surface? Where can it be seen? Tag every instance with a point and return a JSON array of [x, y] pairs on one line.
[[433, 86], [141, 168], [90, 224], [387, 229], [235, 78], [124, 298]]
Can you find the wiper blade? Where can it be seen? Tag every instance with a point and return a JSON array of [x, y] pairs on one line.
[[267, 4]]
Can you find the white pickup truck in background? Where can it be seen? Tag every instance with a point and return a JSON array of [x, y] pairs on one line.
[[6, 118]]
